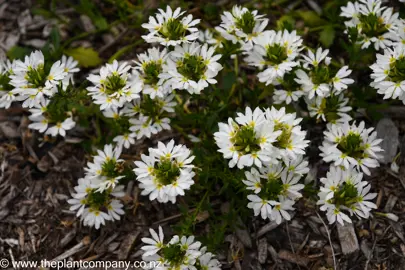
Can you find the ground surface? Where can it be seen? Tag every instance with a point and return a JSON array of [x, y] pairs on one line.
[[37, 177]]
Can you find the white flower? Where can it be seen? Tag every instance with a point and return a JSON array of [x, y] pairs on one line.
[[286, 96], [95, 207], [60, 128], [388, 73], [70, 67], [208, 37], [178, 253], [6, 94], [106, 168], [113, 87], [332, 109], [49, 118], [290, 141], [242, 25], [247, 141], [276, 53], [166, 172], [344, 190], [346, 145], [276, 188], [154, 244], [191, 67], [317, 77], [206, 261], [149, 67], [370, 22], [33, 81], [170, 28], [149, 116], [125, 140]]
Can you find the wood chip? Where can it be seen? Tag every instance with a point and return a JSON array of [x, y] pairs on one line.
[[387, 131], [127, 244], [262, 250], [348, 238], [294, 258]]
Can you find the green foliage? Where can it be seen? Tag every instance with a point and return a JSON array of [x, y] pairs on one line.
[[87, 57], [327, 36]]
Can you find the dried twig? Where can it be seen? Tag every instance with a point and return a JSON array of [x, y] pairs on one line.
[[329, 239]]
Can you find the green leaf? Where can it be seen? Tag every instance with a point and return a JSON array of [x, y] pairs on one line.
[[18, 52], [286, 22], [87, 57], [311, 18], [327, 36]]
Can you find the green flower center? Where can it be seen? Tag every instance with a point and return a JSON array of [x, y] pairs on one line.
[[329, 107], [192, 67], [151, 107], [284, 139], [36, 77], [5, 82], [151, 71], [173, 29], [320, 74], [272, 187], [352, 146], [174, 254], [276, 54], [246, 22], [166, 172], [59, 105], [245, 140], [346, 195], [372, 25], [98, 200], [112, 168], [114, 83], [397, 70]]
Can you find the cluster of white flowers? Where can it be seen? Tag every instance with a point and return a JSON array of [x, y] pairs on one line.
[[351, 149], [261, 137], [371, 23], [243, 26], [96, 197], [276, 53], [166, 172], [273, 141], [269, 143], [351, 145], [276, 188], [178, 253], [344, 190], [389, 73], [43, 89]]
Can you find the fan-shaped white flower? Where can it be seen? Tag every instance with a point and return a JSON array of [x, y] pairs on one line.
[[166, 172], [169, 28], [191, 67], [33, 81], [388, 73], [95, 207], [318, 78], [247, 141], [370, 22], [344, 190], [149, 66], [6, 93], [276, 53], [351, 145], [113, 87], [290, 141], [332, 109], [242, 25]]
